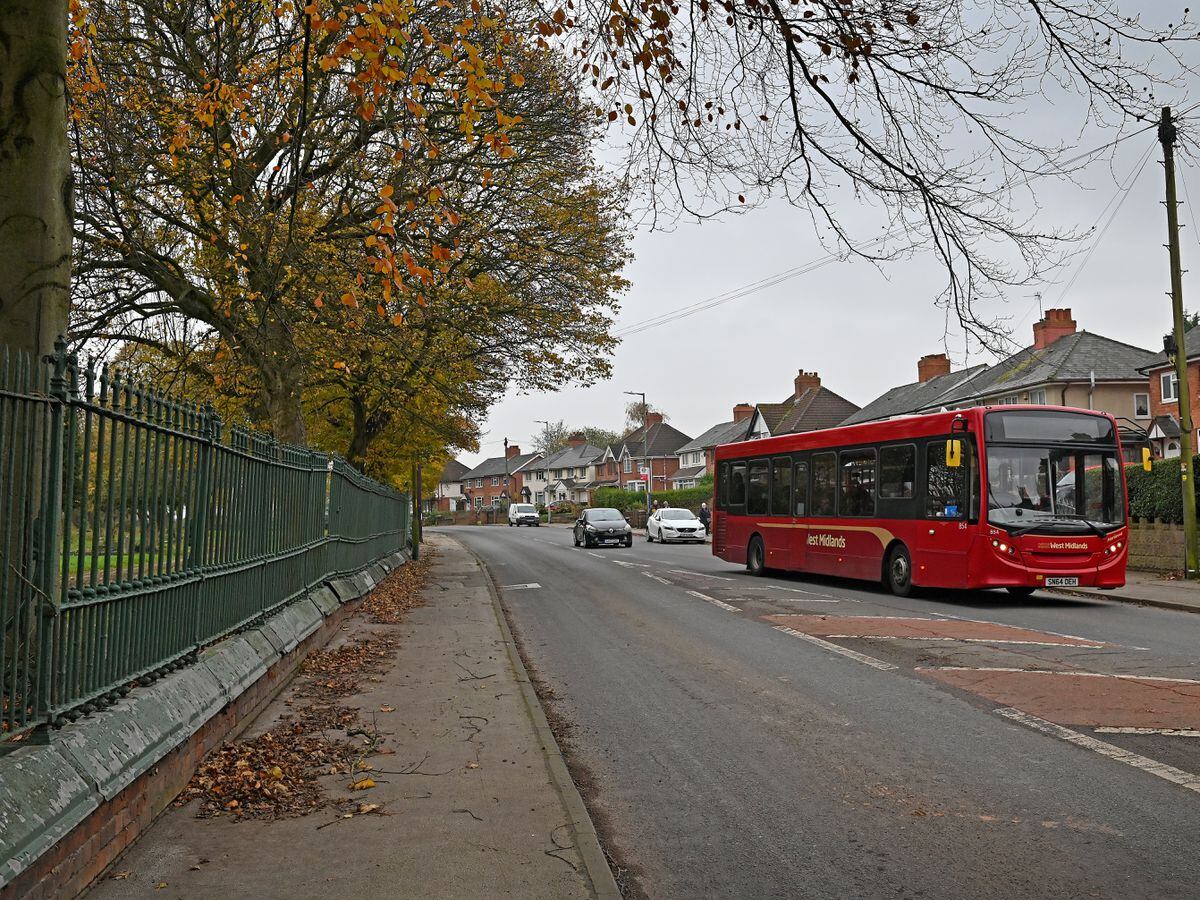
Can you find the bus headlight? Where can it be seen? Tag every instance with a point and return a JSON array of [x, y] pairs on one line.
[[1002, 547]]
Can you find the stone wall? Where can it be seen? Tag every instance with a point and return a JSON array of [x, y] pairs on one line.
[[1155, 546]]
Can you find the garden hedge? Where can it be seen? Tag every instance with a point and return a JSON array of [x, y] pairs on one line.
[[684, 498], [1155, 494]]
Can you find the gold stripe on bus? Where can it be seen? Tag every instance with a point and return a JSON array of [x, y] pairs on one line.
[[885, 537]]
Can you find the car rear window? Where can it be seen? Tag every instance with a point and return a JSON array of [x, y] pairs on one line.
[[523, 507]]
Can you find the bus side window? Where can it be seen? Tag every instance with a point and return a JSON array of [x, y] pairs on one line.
[[758, 487], [781, 486], [946, 486], [737, 485], [898, 481], [856, 487], [824, 482], [800, 480], [723, 486]]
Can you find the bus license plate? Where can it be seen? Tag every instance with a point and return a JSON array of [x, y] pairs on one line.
[[1062, 582]]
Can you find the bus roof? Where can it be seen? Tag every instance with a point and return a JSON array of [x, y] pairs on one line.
[[920, 425]]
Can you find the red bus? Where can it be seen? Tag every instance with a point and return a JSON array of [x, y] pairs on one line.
[[1018, 497]]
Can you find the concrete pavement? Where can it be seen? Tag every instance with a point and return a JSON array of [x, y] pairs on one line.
[[1152, 589], [814, 737], [473, 799]]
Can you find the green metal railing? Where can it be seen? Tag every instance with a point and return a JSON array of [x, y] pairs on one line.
[[135, 529]]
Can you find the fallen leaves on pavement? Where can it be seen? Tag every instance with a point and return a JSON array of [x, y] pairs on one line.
[[275, 775]]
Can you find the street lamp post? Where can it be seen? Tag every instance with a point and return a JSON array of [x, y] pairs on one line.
[[645, 445], [549, 514]]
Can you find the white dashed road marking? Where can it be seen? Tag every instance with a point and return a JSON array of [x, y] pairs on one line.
[[629, 565], [913, 637], [714, 601], [700, 574], [841, 651], [1053, 672], [520, 587], [1169, 732], [1152, 766], [657, 578]]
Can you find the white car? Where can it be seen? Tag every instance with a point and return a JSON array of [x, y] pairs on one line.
[[523, 514], [675, 525]]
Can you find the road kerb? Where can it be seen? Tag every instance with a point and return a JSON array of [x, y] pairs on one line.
[[604, 886]]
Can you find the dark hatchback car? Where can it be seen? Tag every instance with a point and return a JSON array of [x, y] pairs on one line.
[[602, 526]]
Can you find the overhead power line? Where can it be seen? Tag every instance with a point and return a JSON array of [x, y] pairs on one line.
[[778, 278]]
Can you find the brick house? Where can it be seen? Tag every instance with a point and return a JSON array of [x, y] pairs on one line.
[[697, 455], [1164, 397], [1062, 367], [569, 474], [810, 407], [498, 480], [653, 447]]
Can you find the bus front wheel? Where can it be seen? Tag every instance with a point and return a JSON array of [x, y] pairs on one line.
[[755, 558], [899, 571], [1020, 591]]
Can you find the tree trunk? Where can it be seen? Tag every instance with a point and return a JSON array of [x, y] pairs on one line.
[[281, 392], [35, 174]]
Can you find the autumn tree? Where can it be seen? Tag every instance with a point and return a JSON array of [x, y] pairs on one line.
[[921, 109], [35, 174], [264, 162], [636, 413]]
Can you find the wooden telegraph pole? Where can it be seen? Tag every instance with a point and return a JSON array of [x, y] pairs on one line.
[[1166, 136]]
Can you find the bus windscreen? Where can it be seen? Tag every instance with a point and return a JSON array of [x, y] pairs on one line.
[[1049, 427]]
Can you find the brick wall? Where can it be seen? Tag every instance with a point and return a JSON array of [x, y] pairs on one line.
[[1171, 408], [82, 856], [1155, 546]]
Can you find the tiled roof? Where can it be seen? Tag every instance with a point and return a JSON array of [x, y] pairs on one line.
[[498, 465], [810, 411], [1191, 342], [454, 471], [664, 440], [1166, 425], [725, 433], [908, 398], [694, 472], [571, 457], [1072, 358]]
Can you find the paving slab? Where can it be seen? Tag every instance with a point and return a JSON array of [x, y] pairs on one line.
[[471, 800], [1069, 698]]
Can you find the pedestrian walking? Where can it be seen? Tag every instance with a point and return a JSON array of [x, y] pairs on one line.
[[704, 516]]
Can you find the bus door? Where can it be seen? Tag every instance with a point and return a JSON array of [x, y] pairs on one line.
[[799, 517], [944, 537], [780, 536]]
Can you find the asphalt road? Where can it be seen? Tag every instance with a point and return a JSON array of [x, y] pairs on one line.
[[728, 757]]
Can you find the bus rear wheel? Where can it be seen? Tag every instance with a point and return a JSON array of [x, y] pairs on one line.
[[755, 558], [899, 571]]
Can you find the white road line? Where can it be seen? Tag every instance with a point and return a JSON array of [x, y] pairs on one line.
[[784, 600], [1058, 672], [597, 555], [700, 574], [1151, 766], [841, 651], [913, 637], [1076, 637], [657, 578], [714, 601], [1168, 732], [630, 565], [520, 587]]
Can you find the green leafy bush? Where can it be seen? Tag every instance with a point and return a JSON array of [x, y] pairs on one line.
[[1155, 494], [684, 498]]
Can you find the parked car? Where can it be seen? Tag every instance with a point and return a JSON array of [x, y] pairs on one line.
[[602, 526], [675, 525], [523, 514]]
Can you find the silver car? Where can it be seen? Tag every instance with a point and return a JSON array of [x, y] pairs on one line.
[[675, 525]]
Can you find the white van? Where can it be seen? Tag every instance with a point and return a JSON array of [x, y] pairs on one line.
[[523, 514]]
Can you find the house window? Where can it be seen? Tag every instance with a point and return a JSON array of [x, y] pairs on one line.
[[495, 480], [1010, 400], [1141, 406], [1170, 387], [1038, 397], [686, 483], [627, 464], [479, 503], [540, 497]]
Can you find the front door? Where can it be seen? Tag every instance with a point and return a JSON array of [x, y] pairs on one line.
[[944, 537]]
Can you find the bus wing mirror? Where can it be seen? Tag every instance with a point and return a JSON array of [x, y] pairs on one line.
[[954, 453], [1147, 459], [959, 425]]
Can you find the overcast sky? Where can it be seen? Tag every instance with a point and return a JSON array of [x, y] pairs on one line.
[[860, 328]]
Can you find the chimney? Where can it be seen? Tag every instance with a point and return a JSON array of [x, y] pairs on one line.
[[653, 418], [932, 366], [576, 439], [513, 450], [806, 380], [1057, 324], [742, 412]]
